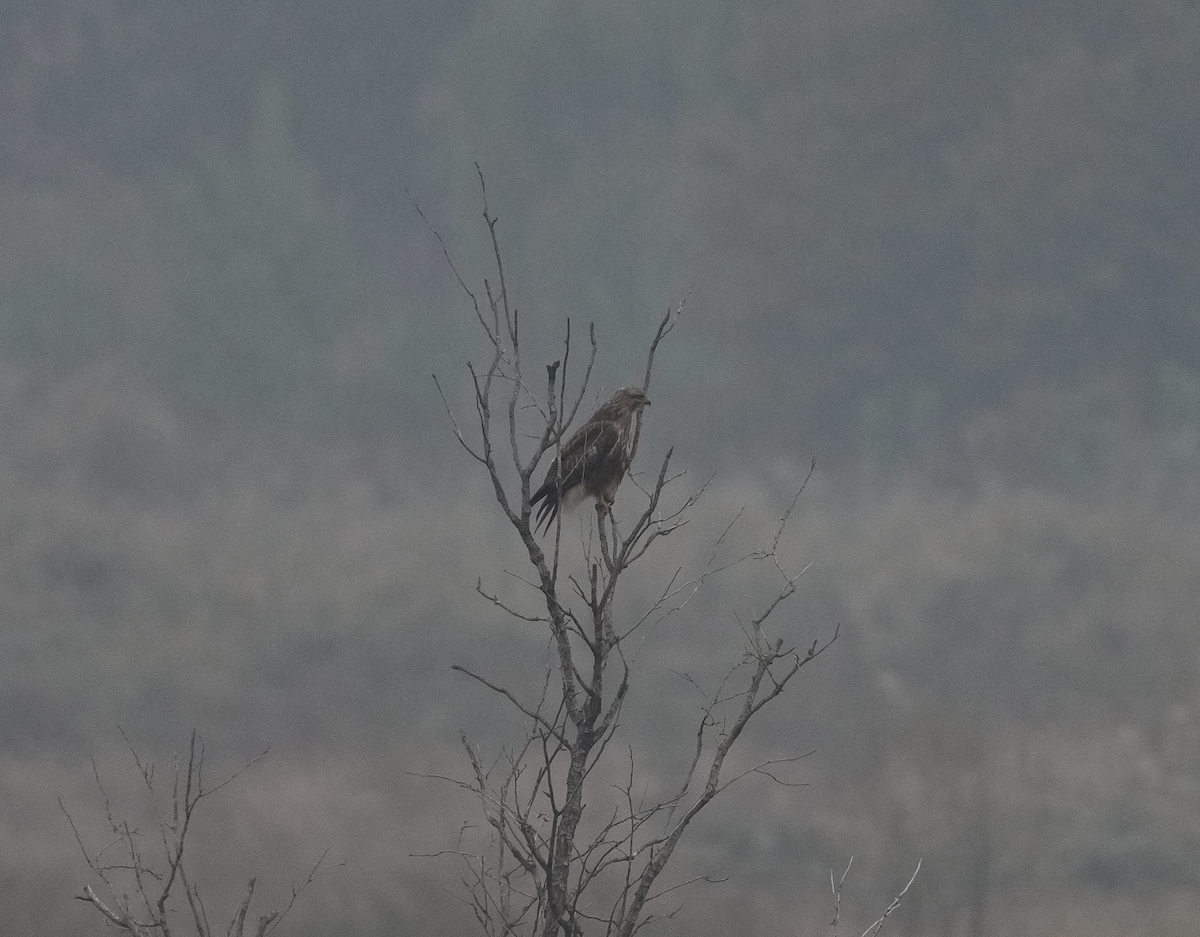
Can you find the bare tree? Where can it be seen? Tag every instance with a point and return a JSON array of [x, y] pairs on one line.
[[544, 871], [140, 874]]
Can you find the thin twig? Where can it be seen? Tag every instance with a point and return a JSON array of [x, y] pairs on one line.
[[878, 925]]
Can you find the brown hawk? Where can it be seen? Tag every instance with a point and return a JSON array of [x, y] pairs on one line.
[[593, 461]]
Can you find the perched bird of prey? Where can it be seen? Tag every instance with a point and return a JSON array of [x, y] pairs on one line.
[[593, 461]]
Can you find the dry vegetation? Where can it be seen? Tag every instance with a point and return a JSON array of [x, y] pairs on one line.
[[1013, 698], [946, 248]]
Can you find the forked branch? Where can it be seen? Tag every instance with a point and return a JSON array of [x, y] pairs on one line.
[[138, 887], [542, 861]]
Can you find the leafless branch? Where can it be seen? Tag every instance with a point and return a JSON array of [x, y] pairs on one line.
[[139, 887], [507, 694], [540, 861], [878, 925], [665, 327], [837, 894]]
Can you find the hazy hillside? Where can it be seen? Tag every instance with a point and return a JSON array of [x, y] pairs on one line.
[[950, 250]]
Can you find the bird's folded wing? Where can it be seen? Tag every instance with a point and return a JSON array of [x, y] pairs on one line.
[[588, 453]]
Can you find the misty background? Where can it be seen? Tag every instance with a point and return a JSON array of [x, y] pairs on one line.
[[949, 250]]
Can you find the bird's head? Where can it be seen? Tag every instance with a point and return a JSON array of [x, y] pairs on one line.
[[631, 397]]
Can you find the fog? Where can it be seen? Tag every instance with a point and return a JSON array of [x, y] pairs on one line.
[[949, 251]]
